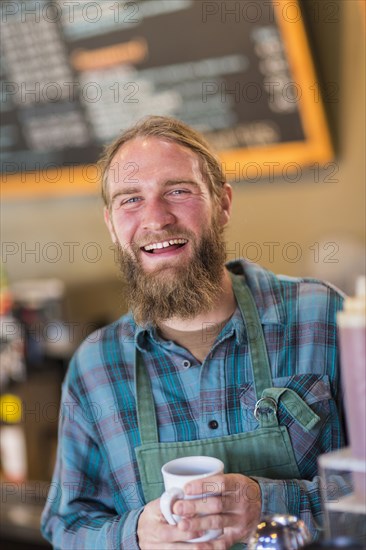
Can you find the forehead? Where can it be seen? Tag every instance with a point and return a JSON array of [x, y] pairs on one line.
[[152, 157]]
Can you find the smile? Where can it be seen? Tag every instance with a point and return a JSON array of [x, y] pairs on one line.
[[176, 243]]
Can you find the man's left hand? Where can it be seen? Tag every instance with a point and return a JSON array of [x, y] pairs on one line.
[[233, 503]]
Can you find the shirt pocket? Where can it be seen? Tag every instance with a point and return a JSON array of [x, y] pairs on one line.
[[307, 444]]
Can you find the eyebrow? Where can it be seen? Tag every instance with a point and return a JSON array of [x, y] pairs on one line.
[[137, 189]]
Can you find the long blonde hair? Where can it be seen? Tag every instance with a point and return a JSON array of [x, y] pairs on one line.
[[168, 129]]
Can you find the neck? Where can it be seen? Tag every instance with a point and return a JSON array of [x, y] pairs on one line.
[[224, 307]]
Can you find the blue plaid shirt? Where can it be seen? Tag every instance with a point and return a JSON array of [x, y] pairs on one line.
[[96, 496]]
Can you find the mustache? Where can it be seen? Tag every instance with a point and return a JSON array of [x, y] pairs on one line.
[[165, 235]]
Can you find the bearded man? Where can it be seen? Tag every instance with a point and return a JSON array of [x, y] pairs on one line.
[[212, 359]]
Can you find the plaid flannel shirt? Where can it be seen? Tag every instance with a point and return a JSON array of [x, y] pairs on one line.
[[96, 497]]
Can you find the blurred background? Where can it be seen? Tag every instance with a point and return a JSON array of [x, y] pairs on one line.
[[285, 110]]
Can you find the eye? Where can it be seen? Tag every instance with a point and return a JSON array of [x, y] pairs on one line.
[[131, 200], [179, 192], [127, 203]]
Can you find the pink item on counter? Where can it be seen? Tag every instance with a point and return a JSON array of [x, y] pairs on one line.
[[352, 334]]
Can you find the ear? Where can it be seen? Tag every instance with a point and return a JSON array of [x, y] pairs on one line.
[[225, 204], [109, 223]]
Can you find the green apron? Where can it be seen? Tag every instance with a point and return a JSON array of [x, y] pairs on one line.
[[265, 451]]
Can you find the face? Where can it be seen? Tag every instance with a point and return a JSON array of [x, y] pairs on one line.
[[160, 204], [167, 227]]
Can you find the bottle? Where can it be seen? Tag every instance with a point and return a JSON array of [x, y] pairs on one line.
[[13, 450], [352, 333]]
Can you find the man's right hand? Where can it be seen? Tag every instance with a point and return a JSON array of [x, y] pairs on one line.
[[154, 533]]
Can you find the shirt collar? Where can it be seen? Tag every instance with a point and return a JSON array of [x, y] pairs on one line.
[[234, 326], [144, 336]]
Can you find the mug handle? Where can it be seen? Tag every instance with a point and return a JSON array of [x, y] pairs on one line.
[[167, 501]]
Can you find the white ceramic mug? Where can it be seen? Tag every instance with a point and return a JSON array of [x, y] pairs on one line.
[[176, 474]]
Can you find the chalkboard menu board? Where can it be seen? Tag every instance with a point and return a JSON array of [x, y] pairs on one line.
[[74, 74]]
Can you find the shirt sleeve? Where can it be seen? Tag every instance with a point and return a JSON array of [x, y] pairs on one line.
[[300, 498], [80, 511]]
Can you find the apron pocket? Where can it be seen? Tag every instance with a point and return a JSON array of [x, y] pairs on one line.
[[315, 392]]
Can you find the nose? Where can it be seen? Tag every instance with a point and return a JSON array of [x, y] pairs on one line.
[[157, 215]]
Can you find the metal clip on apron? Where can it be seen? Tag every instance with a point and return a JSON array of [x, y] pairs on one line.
[[265, 451]]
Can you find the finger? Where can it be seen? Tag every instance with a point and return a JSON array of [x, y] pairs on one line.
[[208, 485], [203, 523], [234, 492], [172, 533], [228, 502], [202, 505], [169, 534], [218, 544], [175, 546]]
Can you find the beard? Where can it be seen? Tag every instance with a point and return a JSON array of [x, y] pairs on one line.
[[183, 291]]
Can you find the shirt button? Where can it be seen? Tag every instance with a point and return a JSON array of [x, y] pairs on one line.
[[186, 364], [213, 424]]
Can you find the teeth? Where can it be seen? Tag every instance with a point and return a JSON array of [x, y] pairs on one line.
[[164, 244]]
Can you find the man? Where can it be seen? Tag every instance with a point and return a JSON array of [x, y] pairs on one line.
[[228, 361]]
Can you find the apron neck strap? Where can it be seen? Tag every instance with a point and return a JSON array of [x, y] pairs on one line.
[[145, 407], [262, 376]]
